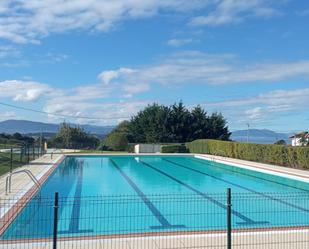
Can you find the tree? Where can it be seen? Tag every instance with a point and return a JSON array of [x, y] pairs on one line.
[[164, 124], [150, 125], [117, 141], [179, 123], [304, 139], [199, 124], [217, 127], [280, 142], [69, 137]]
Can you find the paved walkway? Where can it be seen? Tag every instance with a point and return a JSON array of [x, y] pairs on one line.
[[21, 183], [259, 240]]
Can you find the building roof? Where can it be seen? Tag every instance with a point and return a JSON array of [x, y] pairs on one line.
[[301, 134]]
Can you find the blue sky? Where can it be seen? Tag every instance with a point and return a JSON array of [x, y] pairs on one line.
[[108, 59]]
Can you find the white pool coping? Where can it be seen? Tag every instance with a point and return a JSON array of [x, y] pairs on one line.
[[290, 173]]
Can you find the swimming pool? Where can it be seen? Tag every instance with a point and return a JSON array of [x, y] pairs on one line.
[[102, 195]]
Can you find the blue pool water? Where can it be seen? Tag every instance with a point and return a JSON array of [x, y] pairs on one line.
[[127, 194]]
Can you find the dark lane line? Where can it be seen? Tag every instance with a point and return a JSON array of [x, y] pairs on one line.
[[159, 216], [75, 215], [247, 221], [74, 222], [239, 186], [285, 185]]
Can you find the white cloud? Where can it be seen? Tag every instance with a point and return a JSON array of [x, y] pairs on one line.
[[263, 72], [107, 76], [264, 106], [234, 11], [192, 67], [91, 100], [178, 42], [298, 98], [184, 68], [28, 21], [105, 112], [131, 89], [56, 57], [90, 91], [25, 91], [8, 51], [7, 115], [254, 113]]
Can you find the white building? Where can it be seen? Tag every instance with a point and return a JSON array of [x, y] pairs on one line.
[[297, 139]]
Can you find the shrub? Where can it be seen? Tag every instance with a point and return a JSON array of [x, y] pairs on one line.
[[296, 157], [115, 141], [181, 148]]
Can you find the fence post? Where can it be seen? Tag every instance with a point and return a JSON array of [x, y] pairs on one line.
[[229, 218], [28, 152], [11, 163], [21, 151], [55, 231]]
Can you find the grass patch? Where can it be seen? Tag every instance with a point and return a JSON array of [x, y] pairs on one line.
[[17, 161]]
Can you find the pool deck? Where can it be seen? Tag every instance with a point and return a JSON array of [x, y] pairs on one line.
[[293, 173], [256, 240], [44, 166], [21, 183]]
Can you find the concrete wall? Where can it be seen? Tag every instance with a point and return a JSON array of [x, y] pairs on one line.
[[147, 148]]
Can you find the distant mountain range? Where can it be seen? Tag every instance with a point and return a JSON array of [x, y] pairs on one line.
[[261, 136], [30, 127]]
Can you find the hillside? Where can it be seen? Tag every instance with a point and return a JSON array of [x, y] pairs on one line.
[[262, 136]]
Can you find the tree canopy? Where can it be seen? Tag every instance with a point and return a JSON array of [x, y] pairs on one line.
[[16, 138], [171, 124], [69, 137], [280, 142], [117, 139]]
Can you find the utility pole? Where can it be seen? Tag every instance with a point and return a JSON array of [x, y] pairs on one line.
[[248, 132]]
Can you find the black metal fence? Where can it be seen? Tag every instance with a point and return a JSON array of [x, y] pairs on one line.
[[14, 156], [263, 220]]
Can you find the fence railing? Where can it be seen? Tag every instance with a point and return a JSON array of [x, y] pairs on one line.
[[14, 156], [228, 220]]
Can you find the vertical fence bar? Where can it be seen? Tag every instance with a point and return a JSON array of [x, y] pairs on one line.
[[21, 151], [11, 161], [55, 231], [28, 152], [229, 218]]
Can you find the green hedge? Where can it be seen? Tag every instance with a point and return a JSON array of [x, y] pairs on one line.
[[296, 157], [180, 148]]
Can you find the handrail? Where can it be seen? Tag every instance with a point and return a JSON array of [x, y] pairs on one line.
[[9, 179]]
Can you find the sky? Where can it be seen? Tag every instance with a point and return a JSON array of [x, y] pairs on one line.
[[100, 62]]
